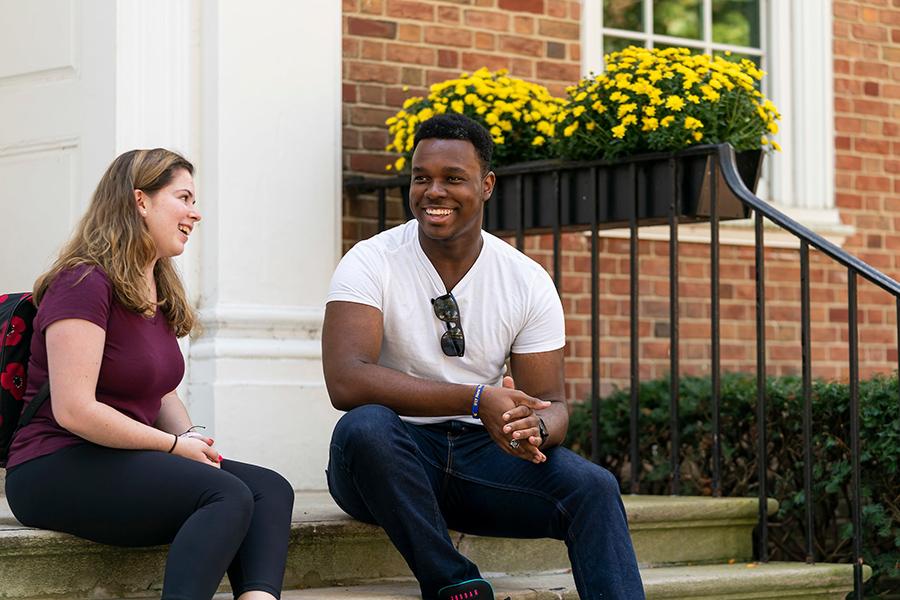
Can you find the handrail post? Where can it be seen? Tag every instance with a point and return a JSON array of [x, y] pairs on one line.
[[762, 450]]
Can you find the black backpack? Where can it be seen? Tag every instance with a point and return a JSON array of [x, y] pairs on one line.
[[16, 315]]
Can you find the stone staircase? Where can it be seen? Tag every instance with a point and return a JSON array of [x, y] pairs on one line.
[[689, 548]]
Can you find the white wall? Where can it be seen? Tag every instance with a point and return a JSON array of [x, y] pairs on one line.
[[250, 92]]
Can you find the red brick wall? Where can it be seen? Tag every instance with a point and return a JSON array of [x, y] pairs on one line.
[[389, 44], [397, 48]]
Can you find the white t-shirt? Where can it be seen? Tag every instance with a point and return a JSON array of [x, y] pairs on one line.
[[507, 303]]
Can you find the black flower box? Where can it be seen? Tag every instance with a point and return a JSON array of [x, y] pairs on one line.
[[527, 192]]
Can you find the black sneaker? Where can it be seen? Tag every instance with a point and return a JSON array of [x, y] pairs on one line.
[[474, 589]]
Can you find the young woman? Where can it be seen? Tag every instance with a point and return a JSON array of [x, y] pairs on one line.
[[111, 456]]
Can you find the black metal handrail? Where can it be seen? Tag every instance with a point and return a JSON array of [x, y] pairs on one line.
[[724, 178], [855, 268]]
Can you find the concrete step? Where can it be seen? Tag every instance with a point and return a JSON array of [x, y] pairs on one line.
[[752, 581], [328, 548]]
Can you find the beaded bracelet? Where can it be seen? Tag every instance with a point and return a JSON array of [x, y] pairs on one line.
[[476, 398]]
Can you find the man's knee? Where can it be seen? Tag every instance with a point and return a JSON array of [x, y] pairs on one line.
[[364, 422], [371, 429], [602, 482], [588, 479]]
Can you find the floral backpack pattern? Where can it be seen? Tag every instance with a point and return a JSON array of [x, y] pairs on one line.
[[17, 312]]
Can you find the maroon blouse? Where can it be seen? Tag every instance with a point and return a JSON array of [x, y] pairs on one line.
[[141, 359]]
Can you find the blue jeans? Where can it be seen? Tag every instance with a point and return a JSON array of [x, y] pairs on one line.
[[415, 481]]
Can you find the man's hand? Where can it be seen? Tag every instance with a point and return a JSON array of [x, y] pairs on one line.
[[521, 422], [500, 405]]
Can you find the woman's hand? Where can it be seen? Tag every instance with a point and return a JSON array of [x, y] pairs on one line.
[[198, 447]]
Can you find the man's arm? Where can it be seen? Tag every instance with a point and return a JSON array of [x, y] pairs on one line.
[[541, 375], [351, 344]]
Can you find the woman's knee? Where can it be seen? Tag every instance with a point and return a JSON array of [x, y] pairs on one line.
[[279, 489], [232, 496]]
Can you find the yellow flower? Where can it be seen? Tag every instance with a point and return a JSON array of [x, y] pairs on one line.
[[590, 125], [496, 131], [674, 103], [570, 130], [697, 136], [650, 111], [666, 121], [650, 124], [491, 118], [598, 106], [618, 131], [709, 93], [578, 110], [538, 141], [692, 123], [776, 146], [457, 106], [624, 109], [629, 120], [400, 163], [772, 126], [693, 98]]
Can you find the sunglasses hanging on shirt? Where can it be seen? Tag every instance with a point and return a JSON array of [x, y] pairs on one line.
[[453, 342]]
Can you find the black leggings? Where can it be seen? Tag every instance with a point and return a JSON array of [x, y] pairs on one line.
[[236, 519]]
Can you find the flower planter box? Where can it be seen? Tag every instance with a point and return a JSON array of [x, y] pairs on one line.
[[527, 191]]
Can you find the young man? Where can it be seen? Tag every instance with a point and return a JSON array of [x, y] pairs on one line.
[[419, 324]]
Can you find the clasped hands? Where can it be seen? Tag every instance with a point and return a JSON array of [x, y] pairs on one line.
[[196, 446], [509, 414]]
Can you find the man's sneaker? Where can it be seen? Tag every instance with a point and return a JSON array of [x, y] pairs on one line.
[[474, 589]]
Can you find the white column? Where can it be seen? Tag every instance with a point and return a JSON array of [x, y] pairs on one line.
[[270, 74], [801, 76]]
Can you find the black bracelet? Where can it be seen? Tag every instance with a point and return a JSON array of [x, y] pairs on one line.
[[175, 443]]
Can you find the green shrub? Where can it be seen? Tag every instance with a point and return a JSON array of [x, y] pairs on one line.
[[880, 458]]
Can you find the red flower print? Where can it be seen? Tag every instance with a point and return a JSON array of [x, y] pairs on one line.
[[13, 380], [16, 328]]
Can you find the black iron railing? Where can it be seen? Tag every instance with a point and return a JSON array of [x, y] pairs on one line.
[[591, 189]]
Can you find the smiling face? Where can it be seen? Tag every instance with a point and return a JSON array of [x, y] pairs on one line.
[[448, 189], [169, 213]]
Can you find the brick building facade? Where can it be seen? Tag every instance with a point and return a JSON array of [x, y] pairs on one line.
[[396, 48]]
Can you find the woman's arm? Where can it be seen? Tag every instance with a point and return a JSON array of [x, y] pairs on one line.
[[74, 354], [173, 416]]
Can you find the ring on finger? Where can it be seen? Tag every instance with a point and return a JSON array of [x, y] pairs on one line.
[[514, 444]]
